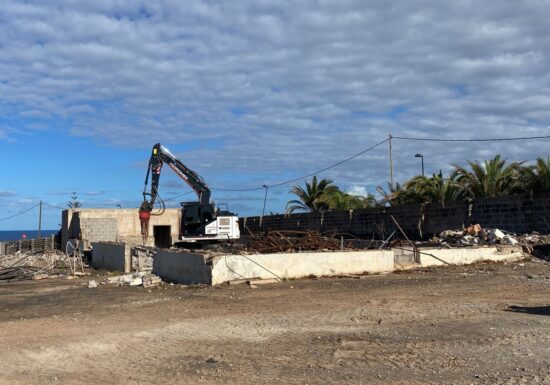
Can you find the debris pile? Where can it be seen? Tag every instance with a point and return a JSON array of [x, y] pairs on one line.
[[291, 241], [33, 265], [142, 258], [534, 239], [133, 279], [475, 235], [19, 273]]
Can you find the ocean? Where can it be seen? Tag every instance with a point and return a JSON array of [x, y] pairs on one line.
[[15, 235]]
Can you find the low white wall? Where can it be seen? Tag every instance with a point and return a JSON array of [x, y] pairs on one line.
[[297, 265], [182, 267], [111, 256], [464, 256]]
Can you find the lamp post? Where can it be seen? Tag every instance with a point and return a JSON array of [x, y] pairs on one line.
[[265, 198], [422, 157]]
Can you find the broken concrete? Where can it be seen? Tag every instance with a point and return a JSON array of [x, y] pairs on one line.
[[142, 258], [134, 279]]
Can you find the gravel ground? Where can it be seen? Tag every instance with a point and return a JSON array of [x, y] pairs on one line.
[[481, 324]]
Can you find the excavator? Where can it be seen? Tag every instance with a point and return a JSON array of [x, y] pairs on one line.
[[201, 222]]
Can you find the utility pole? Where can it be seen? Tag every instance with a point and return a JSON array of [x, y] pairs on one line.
[[391, 162], [40, 221], [422, 157], [265, 198]]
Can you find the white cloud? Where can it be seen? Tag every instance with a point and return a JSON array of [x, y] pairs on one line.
[[286, 88], [357, 191]]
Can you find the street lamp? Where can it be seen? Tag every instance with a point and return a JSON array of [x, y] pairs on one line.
[[265, 197], [421, 156]]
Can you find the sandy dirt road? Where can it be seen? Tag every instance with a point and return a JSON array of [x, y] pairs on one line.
[[482, 324]]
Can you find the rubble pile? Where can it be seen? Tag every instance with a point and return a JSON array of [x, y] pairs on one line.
[[43, 259], [534, 239], [133, 279], [142, 259], [291, 241], [33, 265], [476, 235]]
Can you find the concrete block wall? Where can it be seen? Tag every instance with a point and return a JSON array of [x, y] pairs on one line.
[[518, 214], [111, 256], [182, 267], [98, 229]]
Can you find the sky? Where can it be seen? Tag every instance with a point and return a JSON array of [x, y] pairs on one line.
[[255, 92]]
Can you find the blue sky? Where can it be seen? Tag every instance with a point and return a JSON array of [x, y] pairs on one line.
[[249, 92]]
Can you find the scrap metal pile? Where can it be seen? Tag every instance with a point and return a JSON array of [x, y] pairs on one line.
[[293, 241], [283, 241]]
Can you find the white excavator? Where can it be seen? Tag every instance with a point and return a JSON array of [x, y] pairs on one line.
[[201, 221]]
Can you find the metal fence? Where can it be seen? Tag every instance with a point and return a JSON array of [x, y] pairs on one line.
[[42, 244]]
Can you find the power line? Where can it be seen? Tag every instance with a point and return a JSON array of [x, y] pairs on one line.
[[177, 196], [472, 140], [331, 166], [54, 206], [20, 213], [308, 175]]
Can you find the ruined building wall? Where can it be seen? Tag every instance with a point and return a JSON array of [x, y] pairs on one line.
[[114, 225]]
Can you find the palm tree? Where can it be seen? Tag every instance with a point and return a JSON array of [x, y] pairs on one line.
[[74, 203], [310, 197], [435, 189], [397, 195], [536, 178], [339, 200], [489, 179]]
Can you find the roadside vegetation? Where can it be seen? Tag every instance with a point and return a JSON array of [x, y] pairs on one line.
[[490, 178]]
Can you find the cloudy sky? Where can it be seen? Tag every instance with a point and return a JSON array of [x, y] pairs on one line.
[[255, 92]]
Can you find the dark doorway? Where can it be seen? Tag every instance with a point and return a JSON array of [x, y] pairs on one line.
[[162, 236]]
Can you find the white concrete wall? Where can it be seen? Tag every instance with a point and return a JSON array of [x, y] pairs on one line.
[[464, 256], [297, 265], [111, 256]]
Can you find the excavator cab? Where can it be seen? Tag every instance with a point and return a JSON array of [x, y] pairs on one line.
[[195, 215]]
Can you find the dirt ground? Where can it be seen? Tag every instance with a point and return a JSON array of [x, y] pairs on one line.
[[481, 324]]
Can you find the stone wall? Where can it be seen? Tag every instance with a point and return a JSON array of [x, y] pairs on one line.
[[518, 214]]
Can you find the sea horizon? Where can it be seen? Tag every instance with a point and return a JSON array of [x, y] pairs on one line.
[[16, 235]]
